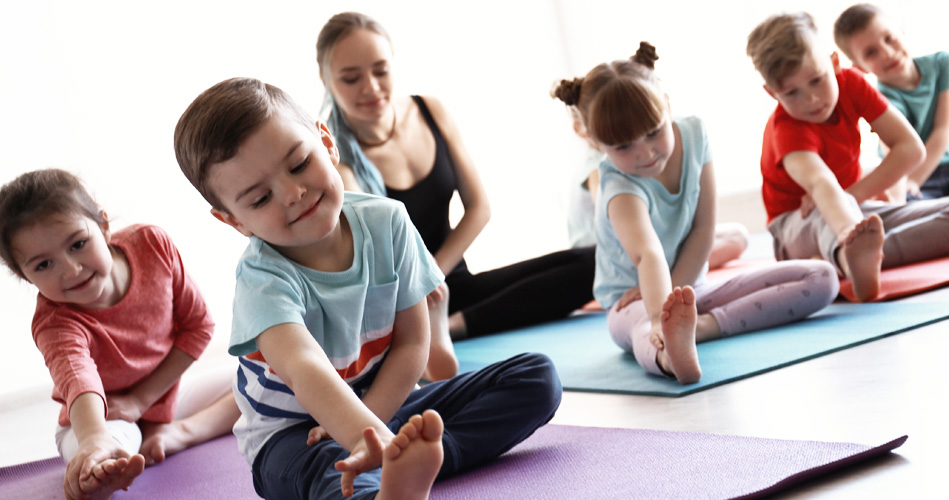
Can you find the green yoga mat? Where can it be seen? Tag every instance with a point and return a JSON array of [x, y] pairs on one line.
[[588, 360]]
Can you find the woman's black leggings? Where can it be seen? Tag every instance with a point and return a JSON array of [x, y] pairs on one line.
[[526, 293]]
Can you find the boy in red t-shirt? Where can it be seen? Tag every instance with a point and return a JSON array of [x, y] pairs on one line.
[[810, 158]]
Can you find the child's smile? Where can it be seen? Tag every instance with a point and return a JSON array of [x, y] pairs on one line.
[[878, 49], [282, 186], [307, 213], [69, 260], [646, 156], [82, 284]]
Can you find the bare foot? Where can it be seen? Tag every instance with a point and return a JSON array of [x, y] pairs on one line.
[[412, 459], [442, 363], [861, 255], [162, 440], [679, 355], [112, 475]]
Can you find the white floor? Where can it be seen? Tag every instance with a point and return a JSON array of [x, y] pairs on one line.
[[868, 394]]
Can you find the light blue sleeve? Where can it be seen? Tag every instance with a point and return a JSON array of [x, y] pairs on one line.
[[266, 294], [616, 183]]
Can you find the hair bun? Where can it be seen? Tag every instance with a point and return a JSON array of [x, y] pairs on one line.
[[568, 91], [646, 55]]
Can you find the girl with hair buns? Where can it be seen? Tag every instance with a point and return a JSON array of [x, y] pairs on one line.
[[731, 238], [408, 148], [655, 220]]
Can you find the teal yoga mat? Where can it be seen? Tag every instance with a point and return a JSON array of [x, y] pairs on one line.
[[588, 360]]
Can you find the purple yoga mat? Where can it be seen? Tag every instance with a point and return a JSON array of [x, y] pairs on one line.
[[213, 470], [556, 462]]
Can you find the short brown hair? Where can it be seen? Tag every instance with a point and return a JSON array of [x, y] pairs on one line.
[[219, 120], [37, 197], [852, 21], [778, 45], [618, 102]]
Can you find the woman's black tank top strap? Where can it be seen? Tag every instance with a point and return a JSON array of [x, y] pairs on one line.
[[428, 200]]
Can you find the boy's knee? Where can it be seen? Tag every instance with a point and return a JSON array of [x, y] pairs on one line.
[[538, 371]]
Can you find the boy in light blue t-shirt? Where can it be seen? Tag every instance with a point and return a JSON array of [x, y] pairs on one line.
[[917, 87], [330, 317]]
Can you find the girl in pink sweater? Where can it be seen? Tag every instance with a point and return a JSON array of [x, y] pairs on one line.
[[118, 321]]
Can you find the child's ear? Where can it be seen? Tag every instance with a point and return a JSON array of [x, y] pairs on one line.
[[230, 221], [329, 143], [835, 60], [104, 226], [769, 91]]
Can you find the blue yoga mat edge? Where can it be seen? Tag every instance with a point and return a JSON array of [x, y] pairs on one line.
[[586, 337]]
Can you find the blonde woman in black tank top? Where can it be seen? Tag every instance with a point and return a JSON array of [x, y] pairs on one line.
[[409, 148]]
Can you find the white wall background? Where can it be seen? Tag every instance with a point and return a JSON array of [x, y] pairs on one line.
[[96, 87]]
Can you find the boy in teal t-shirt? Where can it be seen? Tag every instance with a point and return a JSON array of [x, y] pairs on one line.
[[330, 317], [917, 87]]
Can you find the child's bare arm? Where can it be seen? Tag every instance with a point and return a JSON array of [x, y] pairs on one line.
[[698, 244], [302, 364], [298, 359], [404, 363], [131, 406], [905, 153], [810, 172], [87, 417], [937, 143], [630, 220]]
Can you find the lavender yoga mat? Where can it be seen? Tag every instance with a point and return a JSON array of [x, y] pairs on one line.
[[558, 461], [213, 470]]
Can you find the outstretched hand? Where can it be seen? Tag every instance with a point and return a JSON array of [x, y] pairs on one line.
[[365, 456], [100, 465]]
